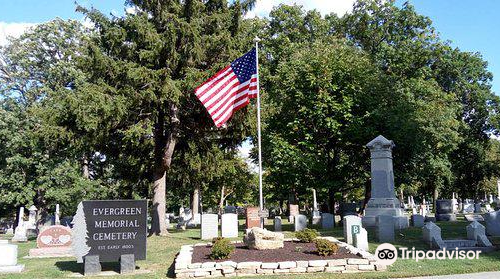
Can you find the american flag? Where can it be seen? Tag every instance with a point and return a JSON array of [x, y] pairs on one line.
[[230, 89]]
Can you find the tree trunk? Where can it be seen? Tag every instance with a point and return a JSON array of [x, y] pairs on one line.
[[195, 201], [434, 198], [331, 201], [163, 152], [221, 201], [368, 195]]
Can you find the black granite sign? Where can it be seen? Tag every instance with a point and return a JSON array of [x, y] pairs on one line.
[[110, 228]]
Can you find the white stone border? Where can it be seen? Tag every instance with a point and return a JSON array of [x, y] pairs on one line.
[[184, 268]]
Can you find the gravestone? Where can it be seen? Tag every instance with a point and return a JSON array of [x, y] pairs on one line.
[[383, 200], [194, 221], [347, 209], [444, 210], [8, 259], [454, 203], [327, 221], [20, 234], [106, 230], [230, 209], [229, 225], [53, 241], [209, 226], [431, 234], [492, 220], [277, 223], [477, 208], [417, 220], [294, 211], [361, 239], [316, 217], [300, 222], [476, 231], [252, 217], [474, 217], [468, 207], [351, 224], [385, 228]]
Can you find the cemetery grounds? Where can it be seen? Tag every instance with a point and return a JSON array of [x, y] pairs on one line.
[[162, 251]]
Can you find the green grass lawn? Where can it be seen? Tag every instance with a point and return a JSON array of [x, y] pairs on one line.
[[162, 251]]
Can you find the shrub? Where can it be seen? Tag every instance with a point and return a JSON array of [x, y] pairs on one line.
[[325, 248], [307, 235], [221, 248]]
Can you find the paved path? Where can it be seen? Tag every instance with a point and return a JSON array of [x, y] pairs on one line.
[[480, 275]]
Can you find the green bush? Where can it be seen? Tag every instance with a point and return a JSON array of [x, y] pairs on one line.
[[221, 248], [307, 235], [325, 248]]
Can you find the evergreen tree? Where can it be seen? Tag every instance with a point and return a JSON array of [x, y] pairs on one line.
[[146, 66]]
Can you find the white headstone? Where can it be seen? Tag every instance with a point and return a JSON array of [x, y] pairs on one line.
[[209, 226], [327, 221], [8, 259], [350, 223], [300, 222], [32, 217], [315, 203], [277, 224], [229, 225], [20, 234], [361, 239]]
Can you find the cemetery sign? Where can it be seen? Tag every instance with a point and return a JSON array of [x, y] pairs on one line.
[[109, 229]]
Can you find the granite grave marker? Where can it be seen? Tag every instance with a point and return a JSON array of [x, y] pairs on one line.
[[106, 230]]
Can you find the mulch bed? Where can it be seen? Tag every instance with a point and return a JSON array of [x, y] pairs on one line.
[[287, 253]]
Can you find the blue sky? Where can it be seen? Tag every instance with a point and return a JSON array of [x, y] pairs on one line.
[[471, 25]]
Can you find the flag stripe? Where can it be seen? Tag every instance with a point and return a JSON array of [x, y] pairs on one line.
[[230, 89], [219, 75]]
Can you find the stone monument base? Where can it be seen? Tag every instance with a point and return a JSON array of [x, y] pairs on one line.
[[446, 217], [12, 269], [385, 206], [51, 252]]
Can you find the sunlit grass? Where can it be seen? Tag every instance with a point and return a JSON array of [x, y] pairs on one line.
[[162, 250]]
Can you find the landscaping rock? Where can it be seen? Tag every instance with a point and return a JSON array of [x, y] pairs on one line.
[[262, 239]]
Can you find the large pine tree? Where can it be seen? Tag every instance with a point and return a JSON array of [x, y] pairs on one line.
[[145, 66]]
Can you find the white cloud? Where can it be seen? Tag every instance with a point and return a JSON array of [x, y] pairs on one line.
[[340, 7], [14, 29]]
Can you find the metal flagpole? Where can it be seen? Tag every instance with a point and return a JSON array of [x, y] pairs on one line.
[[261, 201]]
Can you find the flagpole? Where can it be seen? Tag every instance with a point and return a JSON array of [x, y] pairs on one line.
[[261, 200]]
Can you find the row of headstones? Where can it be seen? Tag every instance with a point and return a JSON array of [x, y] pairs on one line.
[[476, 232], [229, 224], [210, 225], [300, 221]]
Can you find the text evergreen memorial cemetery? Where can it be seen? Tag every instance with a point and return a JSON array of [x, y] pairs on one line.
[[109, 211]]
